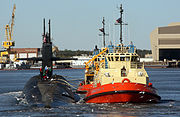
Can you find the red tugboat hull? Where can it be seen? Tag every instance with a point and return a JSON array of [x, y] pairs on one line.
[[82, 89], [121, 93]]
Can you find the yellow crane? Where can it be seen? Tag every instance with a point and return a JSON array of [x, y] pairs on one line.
[[87, 64], [9, 32], [8, 43]]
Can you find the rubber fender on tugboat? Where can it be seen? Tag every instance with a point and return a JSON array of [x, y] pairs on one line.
[[126, 79]]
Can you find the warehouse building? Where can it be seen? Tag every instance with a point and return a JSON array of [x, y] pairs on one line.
[[25, 53], [165, 42]]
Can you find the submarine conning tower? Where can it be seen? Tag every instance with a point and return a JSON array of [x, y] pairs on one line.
[[46, 49]]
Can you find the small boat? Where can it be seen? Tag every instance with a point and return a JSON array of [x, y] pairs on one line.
[[116, 75]]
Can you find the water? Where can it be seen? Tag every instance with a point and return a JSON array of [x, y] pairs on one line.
[[167, 81]]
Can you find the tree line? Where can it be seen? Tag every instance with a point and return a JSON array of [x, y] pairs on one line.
[[71, 53], [142, 53]]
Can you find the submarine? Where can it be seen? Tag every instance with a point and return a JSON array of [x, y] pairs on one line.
[[48, 89]]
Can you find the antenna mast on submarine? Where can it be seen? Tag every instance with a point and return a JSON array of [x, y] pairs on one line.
[[48, 34], [44, 27], [49, 30]]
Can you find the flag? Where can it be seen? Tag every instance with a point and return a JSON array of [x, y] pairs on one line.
[[44, 40], [101, 29], [119, 20]]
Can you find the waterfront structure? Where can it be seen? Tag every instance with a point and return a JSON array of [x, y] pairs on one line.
[[25, 53], [80, 62], [165, 42]]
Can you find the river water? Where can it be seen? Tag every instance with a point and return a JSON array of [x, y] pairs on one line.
[[167, 81]]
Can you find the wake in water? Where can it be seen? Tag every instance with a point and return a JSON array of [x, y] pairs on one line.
[[15, 103], [10, 98], [18, 99]]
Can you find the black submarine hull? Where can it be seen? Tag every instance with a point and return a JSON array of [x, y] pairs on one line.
[[47, 88], [48, 92]]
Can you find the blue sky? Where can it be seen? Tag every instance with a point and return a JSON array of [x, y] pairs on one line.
[[76, 23]]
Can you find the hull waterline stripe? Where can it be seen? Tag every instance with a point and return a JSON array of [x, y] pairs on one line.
[[119, 92]]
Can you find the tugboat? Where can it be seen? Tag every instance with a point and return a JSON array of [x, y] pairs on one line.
[[115, 75]]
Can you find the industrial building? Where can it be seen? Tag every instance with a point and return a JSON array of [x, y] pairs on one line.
[[165, 42], [25, 53]]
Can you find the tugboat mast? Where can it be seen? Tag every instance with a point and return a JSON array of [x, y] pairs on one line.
[[103, 31], [120, 22], [103, 22]]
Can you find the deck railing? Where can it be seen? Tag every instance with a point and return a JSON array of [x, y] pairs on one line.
[[136, 65]]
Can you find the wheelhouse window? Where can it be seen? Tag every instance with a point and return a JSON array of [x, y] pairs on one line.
[[109, 59], [134, 58], [117, 58], [112, 58], [122, 58], [127, 58]]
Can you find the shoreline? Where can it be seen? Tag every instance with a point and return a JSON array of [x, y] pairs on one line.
[[35, 69]]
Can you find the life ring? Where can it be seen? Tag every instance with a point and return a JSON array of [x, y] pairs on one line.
[[125, 79], [150, 84], [82, 83]]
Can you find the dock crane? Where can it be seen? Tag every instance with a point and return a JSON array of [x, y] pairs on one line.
[[8, 43]]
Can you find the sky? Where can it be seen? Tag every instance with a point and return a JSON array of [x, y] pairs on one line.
[[75, 24]]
